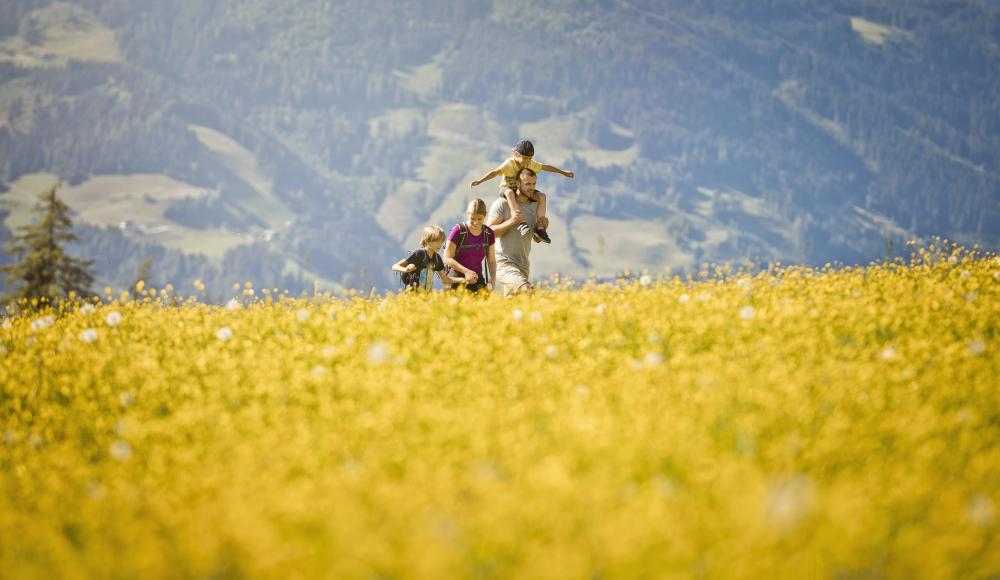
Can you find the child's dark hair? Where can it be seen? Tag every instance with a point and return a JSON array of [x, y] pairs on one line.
[[524, 147]]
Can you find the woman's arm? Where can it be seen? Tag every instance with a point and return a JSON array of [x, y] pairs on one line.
[[449, 258], [554, 169], [491, 263], [486, 177]]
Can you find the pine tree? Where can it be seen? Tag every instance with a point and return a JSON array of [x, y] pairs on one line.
[[43, 269]]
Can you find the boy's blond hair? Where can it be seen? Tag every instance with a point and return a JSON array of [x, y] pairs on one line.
[[431, 234]]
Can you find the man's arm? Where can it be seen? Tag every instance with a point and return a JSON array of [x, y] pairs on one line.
[[500, 226], [554, 169], [485, 178]]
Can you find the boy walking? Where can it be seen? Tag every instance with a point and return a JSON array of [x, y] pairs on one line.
[[417, 269]]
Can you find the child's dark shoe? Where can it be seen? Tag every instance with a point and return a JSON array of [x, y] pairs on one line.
[[524, 229], [543, 236]]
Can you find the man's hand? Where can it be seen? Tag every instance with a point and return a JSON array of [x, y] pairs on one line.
[[410, 268], [471, 277], [543, 223]]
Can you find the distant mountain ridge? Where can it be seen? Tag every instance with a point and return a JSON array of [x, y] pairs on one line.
[[322, 137]]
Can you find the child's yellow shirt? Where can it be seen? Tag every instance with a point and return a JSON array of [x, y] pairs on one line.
[[510, 169]]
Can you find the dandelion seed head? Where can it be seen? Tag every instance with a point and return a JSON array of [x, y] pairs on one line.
[[653, 359], [981, 511], [120, 450], [42, 323], [302, 315], [233, 304], [788, 502], [747, 313], [378, 352], [114, 318], [224, 333], [684, 299], [888, 353], [582, 390], [551, 351], [87, 308], [600, 309], [977, 347], [7, 325], [318, 372], [89, 335], [125, 399], [645, 280], [964, 274], [518, 315]]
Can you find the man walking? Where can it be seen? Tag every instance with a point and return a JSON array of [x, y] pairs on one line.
[[513, 249]]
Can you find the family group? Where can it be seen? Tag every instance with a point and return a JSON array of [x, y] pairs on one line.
[[500, 238]]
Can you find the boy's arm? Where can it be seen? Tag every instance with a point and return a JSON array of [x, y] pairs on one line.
[[449, 280], [403, 266], [487, 177], [554, 169]]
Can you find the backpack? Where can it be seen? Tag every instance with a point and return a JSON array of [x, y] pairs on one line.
[[407, 279], [463, 232]]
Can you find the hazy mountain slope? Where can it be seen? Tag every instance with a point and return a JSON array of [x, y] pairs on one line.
[[330, 134]]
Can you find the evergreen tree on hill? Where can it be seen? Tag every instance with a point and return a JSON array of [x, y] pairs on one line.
[[42, 268]]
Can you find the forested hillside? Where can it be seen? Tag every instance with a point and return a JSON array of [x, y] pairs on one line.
[[306, 143]]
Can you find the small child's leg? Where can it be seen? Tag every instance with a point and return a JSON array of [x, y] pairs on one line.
[[511, 198], [540, 232]]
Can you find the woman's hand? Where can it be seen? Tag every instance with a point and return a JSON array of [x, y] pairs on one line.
[[471, 277]]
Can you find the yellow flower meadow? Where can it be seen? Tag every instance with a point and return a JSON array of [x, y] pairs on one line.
[[841, 422]]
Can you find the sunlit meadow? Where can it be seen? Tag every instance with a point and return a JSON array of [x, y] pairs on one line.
[[841, 422]]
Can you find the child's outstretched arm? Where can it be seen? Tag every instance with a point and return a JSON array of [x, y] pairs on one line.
[[554, 169], [449, 280], [485, 178]]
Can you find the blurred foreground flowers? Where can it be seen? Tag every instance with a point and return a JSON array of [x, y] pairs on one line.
[[834, 422]]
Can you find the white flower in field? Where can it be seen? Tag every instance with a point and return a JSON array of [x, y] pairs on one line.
[[378, 352], [747, 313], [684, 299], [224, 333], [233, 304], [318, 372], [743, 283], [362, 316], [977, 347], [125, 399], [996, 275], [302, 315], [89, 335], [600, 309], [964, 274], [582, 390], [536, 316], [120, 450], [653, 359], [888, 353], [7, 325], [971, 296], [42, 323], [645, 279], [952, 260], [518, 315], [981, 511], [788, 501], [551, 351], [87, 308], [114, 318], [328, 352]]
